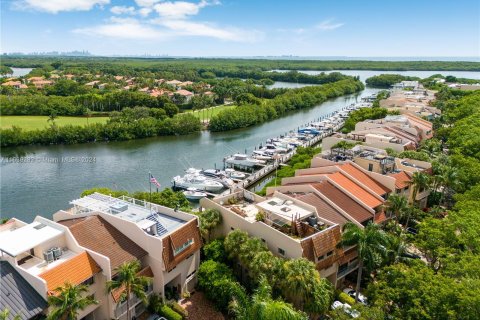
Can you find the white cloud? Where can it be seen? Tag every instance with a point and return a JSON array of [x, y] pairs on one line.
[[144, 11], [124, 29], [55, 6], [188, 28], [181, 9], [122, 10], [146, 3], [328, 25]]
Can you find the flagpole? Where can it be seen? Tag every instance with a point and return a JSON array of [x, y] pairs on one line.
[[150, 182]]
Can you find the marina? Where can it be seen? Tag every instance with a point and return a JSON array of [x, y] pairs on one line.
[[265, 160]]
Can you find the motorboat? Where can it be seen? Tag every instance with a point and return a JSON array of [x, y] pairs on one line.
[[235, 174], [309, 130], [262, 155], [198, 182], [243, 160], [212, 174], [194, 194]]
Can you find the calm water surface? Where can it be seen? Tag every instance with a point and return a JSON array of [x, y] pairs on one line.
[[365, 74]]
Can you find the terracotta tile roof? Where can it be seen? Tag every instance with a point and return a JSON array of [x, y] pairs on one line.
[[364, 178], [96, 234], [341, 199], [184, 92], [359, 192], [402, 179], [380, 217], [145, 272], [186, 233], [324, 209], [320, 244], [75, 270]]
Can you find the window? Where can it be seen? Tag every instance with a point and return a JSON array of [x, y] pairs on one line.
[[370, 167], [281, 251], [183, 246], [329, 253], [320, 258], [263, 240], [232, 228], [89, 281]]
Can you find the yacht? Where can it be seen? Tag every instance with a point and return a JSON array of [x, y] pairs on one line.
[[194, 194], [243, 160], [235, 174], [212, 174], [198, 182], [262, 155]]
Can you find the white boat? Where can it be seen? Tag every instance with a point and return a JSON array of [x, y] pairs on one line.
[[235, 174], [212, 174], [243, 160], [262, 155], [194, 194], [198, 182]]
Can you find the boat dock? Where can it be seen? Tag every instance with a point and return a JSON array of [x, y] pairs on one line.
[[266, 170]]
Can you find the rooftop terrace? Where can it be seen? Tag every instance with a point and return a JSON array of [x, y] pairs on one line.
[[144, 214]]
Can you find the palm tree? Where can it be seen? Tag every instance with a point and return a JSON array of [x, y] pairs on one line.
[[233, 241], [265, 263], [449, 181], [248, 250], [397, 204], [263, 307], [209, 220], [420, 181], [69, 299], [131, 283], [371, 244]]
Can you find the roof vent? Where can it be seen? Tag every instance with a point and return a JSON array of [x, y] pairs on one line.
[[40, 226]]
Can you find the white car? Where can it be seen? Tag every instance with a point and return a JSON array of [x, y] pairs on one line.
[[346, 308], [361, 298]]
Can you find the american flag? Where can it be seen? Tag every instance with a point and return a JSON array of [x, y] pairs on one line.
[[154, 181]]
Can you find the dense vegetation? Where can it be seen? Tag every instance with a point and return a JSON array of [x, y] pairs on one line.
[[210, 65], [248, 115], [300, 160], [243, 264], [387, 80], [447, 285], [361, 115], [128, 124]]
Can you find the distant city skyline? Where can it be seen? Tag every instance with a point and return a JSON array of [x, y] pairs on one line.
[[234, 28]]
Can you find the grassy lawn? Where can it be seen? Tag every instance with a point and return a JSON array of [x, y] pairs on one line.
[[206, 114], [40, 122]]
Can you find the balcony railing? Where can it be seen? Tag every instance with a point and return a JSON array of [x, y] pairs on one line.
[[121, 308], [352, 266]]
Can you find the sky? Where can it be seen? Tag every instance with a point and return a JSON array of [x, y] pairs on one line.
[[353, 28]]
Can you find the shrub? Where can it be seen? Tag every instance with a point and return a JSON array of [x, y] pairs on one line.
[[179, 309], [345, 298], [215, 251], [169, 313], [155, 303]]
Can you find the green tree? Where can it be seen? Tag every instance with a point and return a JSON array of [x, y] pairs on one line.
[[130, 283], [263, 307], [396, 204], [209, 220], [68, 301], [419, 182], [5, 315], [371, 244], [233, 241]]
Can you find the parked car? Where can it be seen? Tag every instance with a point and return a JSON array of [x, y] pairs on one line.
[[412, 231], [346, 308], [361, 298], [410, 255], [156, 317]]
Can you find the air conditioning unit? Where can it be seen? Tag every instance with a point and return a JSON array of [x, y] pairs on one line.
[[48, 256], [57, 252]]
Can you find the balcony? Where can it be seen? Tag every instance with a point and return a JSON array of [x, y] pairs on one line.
[[344, 271], [121, 308]]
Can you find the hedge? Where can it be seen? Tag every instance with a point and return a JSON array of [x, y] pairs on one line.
[[169, 313]]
